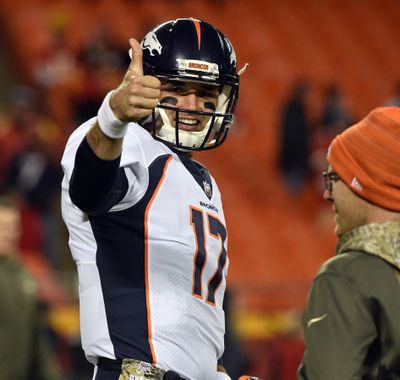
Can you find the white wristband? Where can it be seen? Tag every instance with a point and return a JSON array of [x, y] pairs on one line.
[[222, 376], [108, 123]]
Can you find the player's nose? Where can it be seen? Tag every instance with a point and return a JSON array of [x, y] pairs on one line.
[[191, 101]]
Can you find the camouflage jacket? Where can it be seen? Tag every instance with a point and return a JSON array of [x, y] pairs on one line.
[[352, 318]]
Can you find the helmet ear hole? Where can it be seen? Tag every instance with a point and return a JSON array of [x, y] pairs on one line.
[[186, 49]]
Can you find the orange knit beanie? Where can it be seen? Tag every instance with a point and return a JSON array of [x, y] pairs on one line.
[[366, 157]]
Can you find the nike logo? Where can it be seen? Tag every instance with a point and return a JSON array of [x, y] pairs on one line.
[[315, 320]]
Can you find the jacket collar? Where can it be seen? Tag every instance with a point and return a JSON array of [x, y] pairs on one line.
[[381, 239]]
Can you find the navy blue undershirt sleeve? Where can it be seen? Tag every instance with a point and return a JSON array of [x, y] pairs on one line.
[[96, 185]]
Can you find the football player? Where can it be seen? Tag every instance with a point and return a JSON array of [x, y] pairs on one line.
[[146, 222]]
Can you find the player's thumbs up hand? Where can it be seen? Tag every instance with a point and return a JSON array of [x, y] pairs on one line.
[[137, 95], [136, 54]]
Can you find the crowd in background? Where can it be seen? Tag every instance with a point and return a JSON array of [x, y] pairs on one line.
[[305, 136]]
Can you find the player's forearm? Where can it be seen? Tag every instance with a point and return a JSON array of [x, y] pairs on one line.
[[103, 146]]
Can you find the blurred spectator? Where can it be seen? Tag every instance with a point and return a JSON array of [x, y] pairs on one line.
[[101, 64], [32, 173], [335, 117], [20, 112], [335, 114], [57, 65], [295, 138], [56, 74], [25, 352]]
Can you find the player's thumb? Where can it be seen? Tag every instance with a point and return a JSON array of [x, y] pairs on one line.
[[136, 54]]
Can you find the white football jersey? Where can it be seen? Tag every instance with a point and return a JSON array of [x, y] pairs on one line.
[[152, 270]]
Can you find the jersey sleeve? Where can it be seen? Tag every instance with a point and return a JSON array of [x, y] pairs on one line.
[[338, 328], [95, 185]]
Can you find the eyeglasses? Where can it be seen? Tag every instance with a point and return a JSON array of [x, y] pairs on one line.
[[329, 178]]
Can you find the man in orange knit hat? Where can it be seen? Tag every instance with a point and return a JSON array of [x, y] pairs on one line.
[[352, 318]]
